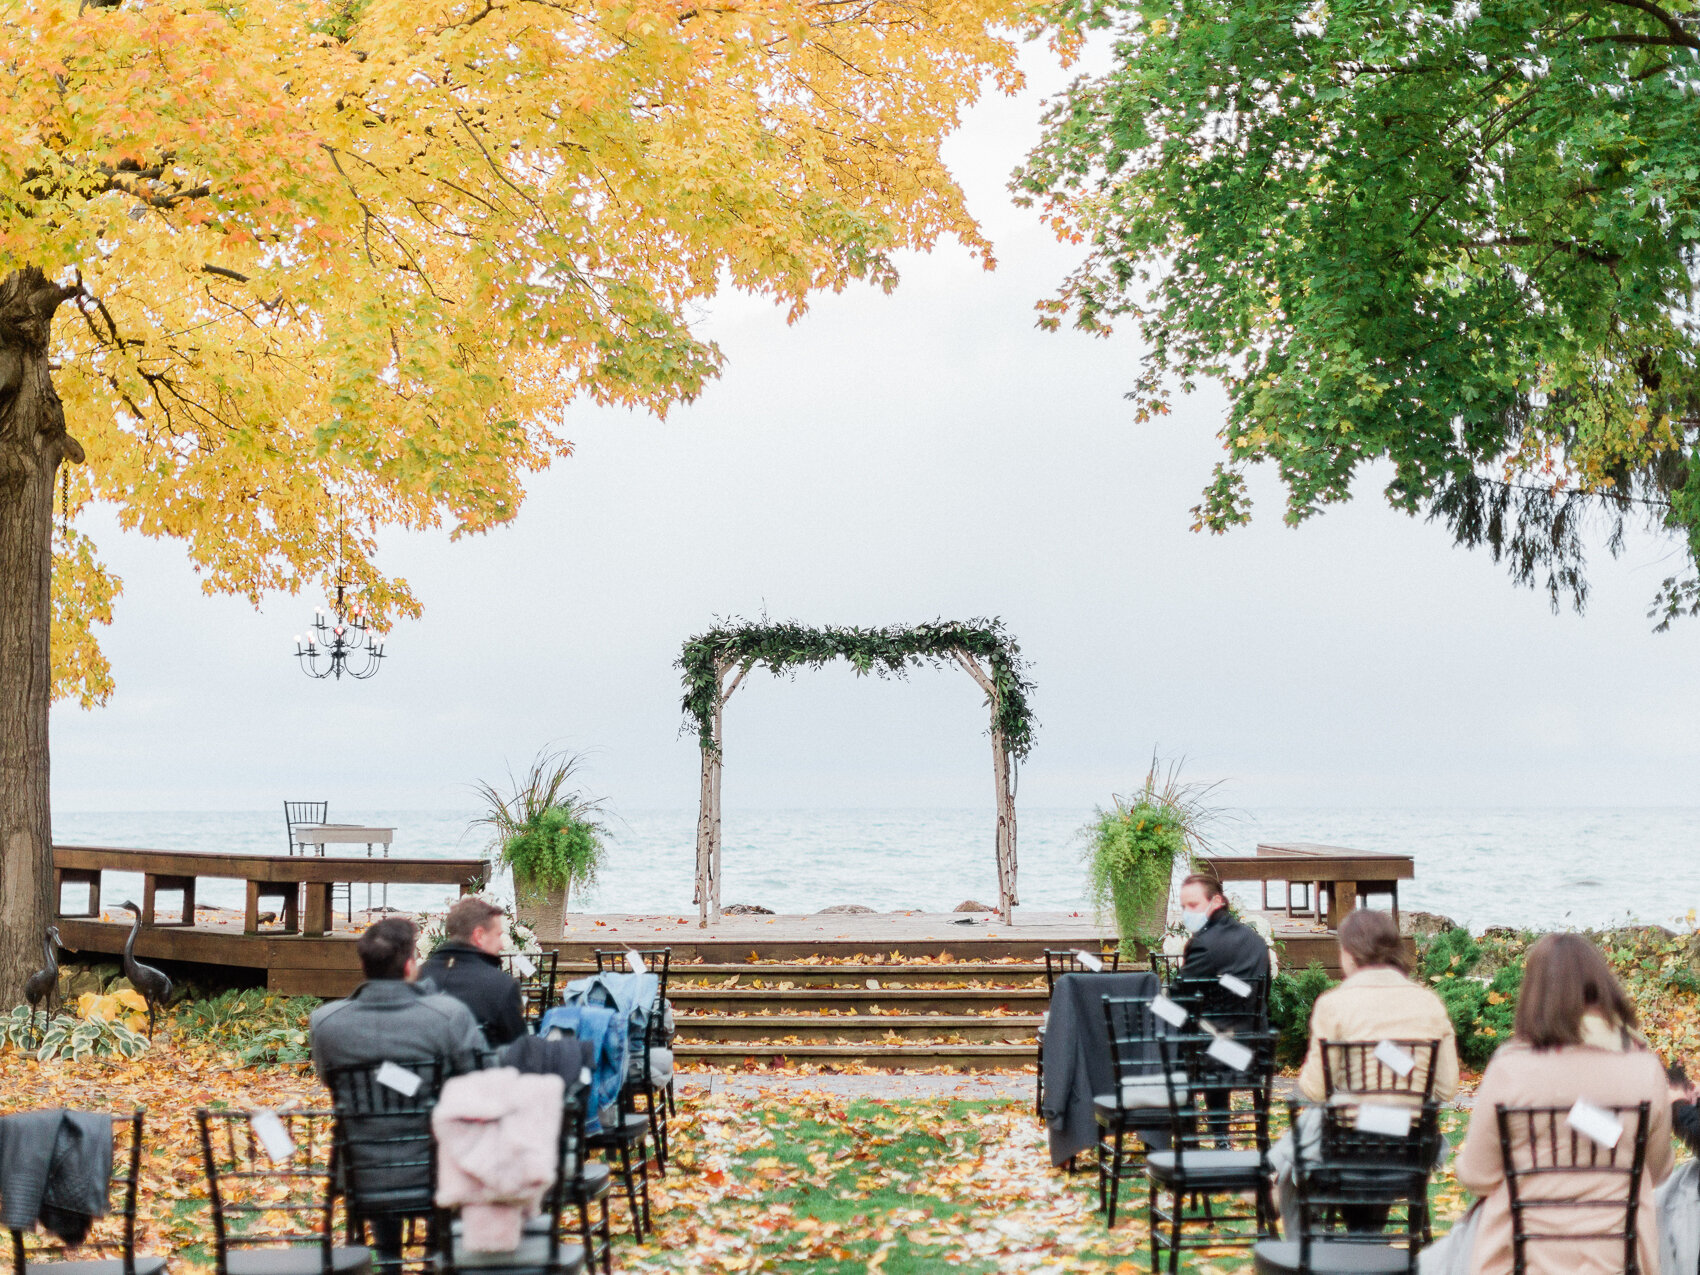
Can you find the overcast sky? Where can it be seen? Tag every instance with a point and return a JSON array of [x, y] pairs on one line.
[[890, 459]]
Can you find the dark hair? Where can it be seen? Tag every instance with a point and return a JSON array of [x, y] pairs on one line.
[[1566, 977], [386, 947], [1212, 887], [469, 914], [1372, 938]]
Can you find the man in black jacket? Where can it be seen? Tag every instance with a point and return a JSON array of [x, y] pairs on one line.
[[1221, 943], [465, 966]]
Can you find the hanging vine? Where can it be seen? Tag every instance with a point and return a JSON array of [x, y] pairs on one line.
[[784, 647]]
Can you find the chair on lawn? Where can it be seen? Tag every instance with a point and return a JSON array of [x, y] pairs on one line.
[[270, 1178], [1219, 1140], [1222, 1004], [544, 1247], [627, 1135], [1363, 1174], [1140, 1098], [658, 1100], [112, 1239], [1382, 1072], [588, 1182], [386, 1154], [1543, 1153], [537, 989], [1060, 961], [1402, 1070]]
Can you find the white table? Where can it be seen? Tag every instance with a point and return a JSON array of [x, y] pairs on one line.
[[320, 835]]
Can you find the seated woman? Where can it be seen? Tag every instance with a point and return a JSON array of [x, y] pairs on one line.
[[1376, 1002], [1574, 1037]]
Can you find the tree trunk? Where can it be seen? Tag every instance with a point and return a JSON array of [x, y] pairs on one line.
[[33, 441], [1003, 779]]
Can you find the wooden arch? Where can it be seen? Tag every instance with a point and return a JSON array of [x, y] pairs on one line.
[[715, 665]]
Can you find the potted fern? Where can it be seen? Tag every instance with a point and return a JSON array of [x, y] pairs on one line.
[[547, 833], [1134, 847]]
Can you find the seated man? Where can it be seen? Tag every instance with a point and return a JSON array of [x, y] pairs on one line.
[[466, 967], [1221, 943], [392, 1018]]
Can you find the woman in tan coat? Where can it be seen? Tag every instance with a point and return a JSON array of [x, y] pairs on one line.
[[1574, 1038], [1378, 1001]]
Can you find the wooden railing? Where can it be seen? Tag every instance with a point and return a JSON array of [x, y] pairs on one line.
[[285, 879]]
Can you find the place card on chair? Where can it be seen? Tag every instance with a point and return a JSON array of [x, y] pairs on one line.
[[403, 1081], [1088, 961], [635, 962], [272, 1135], [1594, 1122], [523, 966], [1395, 1058], [1230, 1053], [1389, 1121], [1168, 1011], [1238, 986]]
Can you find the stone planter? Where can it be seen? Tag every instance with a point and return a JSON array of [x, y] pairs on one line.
[[542, 910], [1153, 920]]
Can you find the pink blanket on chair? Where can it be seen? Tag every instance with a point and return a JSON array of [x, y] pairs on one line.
[[497, 1132]]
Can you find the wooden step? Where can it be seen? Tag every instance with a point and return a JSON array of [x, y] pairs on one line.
[[770, 973], [836, 1028], [909, 1056], [691, 1001]]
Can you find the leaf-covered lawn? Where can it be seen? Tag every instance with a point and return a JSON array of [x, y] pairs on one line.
[[817, 1183], [802, 1182]]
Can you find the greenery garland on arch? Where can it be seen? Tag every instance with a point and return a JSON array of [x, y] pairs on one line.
[[716, 662]]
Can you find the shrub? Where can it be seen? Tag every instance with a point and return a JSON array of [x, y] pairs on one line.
[[1452, 951], [1291, 999], [256, 1025], [1482, 1009]]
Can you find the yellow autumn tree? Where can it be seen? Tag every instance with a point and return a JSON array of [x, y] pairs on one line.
[[274, 267]]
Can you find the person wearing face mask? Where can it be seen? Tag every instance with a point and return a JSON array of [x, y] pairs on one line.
[[1221, 943]]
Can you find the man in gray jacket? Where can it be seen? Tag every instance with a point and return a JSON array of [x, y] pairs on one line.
[[390, 1018]]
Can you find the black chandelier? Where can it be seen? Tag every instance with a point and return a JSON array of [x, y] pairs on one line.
[[341, 640]]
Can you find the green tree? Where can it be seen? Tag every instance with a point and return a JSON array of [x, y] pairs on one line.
[[1458, 237]]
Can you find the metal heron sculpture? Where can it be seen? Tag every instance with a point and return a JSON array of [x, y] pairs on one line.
[[41, 989], [153, 984]]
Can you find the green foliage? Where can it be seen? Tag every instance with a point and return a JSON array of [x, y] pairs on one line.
[[1478, 981], [1451, 951], [1291, 999], [1460, 239], [544, 829], [70, 1038], [1132, 849], [885, 652], [256, 1025]]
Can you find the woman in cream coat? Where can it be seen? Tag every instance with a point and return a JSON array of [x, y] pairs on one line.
[[1574, 1038]]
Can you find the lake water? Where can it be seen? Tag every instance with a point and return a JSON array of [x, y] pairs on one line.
[[1481, 867]]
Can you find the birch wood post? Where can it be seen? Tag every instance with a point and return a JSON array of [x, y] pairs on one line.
[[708, 813], [1003, 781]]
